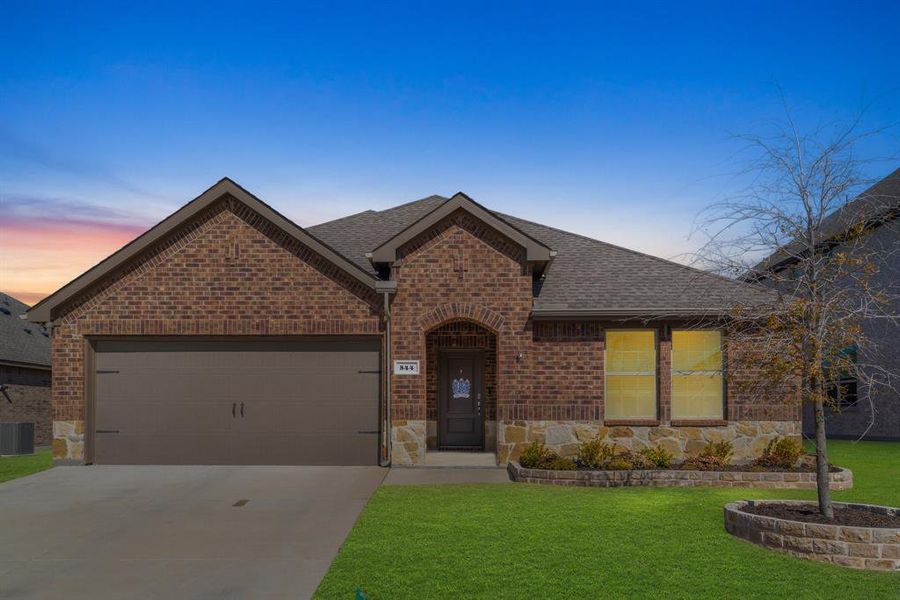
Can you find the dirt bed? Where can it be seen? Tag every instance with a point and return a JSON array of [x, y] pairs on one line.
[[849, 516]]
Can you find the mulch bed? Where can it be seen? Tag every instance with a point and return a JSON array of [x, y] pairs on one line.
[[748, 468], [843, 515], [751, 468]]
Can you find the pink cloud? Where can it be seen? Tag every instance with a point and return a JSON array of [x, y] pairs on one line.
[[40, 254]]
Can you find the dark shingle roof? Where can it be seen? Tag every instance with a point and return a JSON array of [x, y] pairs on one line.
[[876, 205], [586, 274], [358, 234], [21, 341]]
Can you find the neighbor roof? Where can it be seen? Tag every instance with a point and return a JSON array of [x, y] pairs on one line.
[[21, 342], [875, 206], [585, 278]]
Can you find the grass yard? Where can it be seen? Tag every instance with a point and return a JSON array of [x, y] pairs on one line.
[[521, 541], [13, 467]]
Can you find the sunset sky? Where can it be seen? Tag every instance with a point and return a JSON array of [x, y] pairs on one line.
[[612, 123]]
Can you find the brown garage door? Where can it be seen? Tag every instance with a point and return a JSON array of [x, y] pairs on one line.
[[252, 402]]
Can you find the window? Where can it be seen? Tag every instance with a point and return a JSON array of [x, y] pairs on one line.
[[697, 382], [842, 389], [631, 374]]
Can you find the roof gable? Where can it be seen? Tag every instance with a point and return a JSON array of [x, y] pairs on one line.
[[534, 250], [44, 310]]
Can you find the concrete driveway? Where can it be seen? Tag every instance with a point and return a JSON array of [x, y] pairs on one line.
[[176, 532]]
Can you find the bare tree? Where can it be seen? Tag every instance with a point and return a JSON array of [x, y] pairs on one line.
[[794, 221]]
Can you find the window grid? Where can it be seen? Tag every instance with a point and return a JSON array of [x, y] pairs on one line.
[[630, 380]]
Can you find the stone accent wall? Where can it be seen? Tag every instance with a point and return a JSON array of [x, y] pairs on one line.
[[408, 442], [29, 400], [841, 480], [868, 548], [68, 442], [749, 437], [226, 272]]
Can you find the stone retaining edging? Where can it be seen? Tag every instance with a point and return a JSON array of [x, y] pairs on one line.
[[870, 548], [840, 480]]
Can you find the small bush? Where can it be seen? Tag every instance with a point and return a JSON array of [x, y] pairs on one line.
[[657, 456], [561, 463], [618, 463], [704, 463], [594, 454], [780, 453], [714, 457], [536, 455]]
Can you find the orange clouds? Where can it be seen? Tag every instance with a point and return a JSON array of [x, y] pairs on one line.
[[38, 255]]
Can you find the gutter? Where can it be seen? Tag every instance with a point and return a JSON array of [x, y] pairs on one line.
[[385, 461], [546, 314]]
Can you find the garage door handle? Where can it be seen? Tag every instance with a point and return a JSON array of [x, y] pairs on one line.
[[242, 410], [367, 432], [233, 406], [107, 431], [369, 371]]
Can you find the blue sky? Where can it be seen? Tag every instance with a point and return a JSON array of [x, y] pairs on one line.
[[611, 120]]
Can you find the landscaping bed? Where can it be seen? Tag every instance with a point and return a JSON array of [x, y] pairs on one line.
[[862, 536], [839, 479], [599, 464], [850, 515]]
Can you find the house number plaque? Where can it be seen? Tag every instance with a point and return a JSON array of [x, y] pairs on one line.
[[406, 367]]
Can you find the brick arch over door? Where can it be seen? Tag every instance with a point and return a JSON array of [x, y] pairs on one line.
[[446, 313]]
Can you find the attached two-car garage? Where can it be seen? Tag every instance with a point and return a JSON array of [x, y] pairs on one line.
[[236, 401]]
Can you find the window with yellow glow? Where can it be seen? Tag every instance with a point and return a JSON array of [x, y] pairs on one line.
[[631, 374], [697, 390]]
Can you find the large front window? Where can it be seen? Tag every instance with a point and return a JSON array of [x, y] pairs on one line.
[[631, 374], [697, 383]]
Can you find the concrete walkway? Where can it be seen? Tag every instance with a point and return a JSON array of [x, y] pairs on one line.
[[448, 475], [176, 532]]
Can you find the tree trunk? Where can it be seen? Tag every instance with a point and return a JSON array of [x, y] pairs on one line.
[[823, 487]]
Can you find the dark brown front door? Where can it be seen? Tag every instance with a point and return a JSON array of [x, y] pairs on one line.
[[460, 421], [236, 401]]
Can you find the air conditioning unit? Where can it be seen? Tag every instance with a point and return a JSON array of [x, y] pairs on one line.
[[16, 438]]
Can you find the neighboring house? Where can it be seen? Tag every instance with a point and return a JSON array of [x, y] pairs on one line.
[[228, 334], [25, 370], [858, 410]]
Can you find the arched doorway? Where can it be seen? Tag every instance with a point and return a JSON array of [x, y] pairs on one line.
[[461, 387]]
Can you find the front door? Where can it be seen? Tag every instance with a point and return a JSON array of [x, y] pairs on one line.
[[460, 422]]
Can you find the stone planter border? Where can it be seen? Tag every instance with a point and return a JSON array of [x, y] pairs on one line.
[[840, 480], [870, 548]]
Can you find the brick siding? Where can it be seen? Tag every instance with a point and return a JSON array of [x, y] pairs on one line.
[[29, 400]]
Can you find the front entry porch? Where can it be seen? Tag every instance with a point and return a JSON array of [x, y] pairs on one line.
[[443, 458], [461, 395]]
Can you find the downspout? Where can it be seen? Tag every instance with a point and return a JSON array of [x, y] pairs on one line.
[[386, 460]]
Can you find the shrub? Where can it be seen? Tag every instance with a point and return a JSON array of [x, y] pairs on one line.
[[780, 453], [618, 463], [538, 456], [594, 454], [561, 463], [714, 457], [535, 456], [657, 456]]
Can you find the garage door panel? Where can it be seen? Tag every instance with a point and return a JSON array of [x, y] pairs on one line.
[[305, 402]]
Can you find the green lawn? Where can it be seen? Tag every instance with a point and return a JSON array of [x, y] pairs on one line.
[[522, 541], [13, 467]]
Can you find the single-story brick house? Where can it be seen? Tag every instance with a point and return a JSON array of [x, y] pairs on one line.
[[24, 370], [228, 334]]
